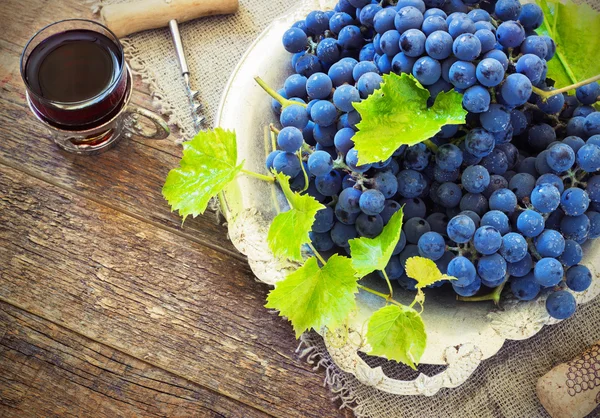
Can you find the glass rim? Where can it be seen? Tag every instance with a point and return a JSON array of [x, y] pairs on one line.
[[80, 102]]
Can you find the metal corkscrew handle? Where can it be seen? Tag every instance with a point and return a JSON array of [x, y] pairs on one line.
[[185, 72]]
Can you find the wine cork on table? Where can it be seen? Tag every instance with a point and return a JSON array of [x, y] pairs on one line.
[[572, 390]]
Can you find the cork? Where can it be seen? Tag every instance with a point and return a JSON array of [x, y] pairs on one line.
[[572, 390]]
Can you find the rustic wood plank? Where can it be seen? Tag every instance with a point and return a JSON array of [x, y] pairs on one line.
[[129, 177], [49, 371], [151, 294]]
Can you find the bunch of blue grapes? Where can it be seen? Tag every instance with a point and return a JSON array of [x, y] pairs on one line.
[[508, 199]]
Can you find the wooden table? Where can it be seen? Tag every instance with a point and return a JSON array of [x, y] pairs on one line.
[[108, 306]]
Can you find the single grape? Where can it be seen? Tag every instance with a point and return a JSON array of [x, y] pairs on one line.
[[469, 290], [497, 220], [462, 74], [368, 13], [496, 183], [592, 124], [321, 241], [531, 16], [341, 234], [496, 119], [307, 65], [540, 136], [319, 86], [369, 226], [294, 40], [548, 272], [574, 201], [324, 220], [319, 163], [449, 157], [427, 70], [434, 23], [495, 162], [552, 105], [503, 200], [432, 245], [476, 99], [466, 47], [561, 305], [459, 25], [520, 268], [287, 163], [390, 207], [550, 243], [516, 89], [344, 96], [371, 202], [535, 45], [449, 194], [479, 142], [572, 254], [525, 288], [386, 183], [475, 202], [368, 83], [576, 228], [489, 72], [384, 20], [414, 228], [530, 223], [350, 37], [579, 278], [408, 18], [352, 162], [487, 240], [411, 183], [594, 218], [464, 271], [290, 139], [492, 268], [294, 115], [338, 21], [510, 34], [531, 66], [588, 94], [329, 184], [522, 185], [508, 9], [390, 42], [545, 198], [412, 42]]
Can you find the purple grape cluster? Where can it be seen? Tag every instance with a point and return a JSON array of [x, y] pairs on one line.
[[510, 196]]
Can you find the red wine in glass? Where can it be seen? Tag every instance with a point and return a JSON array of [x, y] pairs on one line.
[[75, 74]]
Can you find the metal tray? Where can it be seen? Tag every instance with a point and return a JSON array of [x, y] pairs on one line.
[[460, 335]]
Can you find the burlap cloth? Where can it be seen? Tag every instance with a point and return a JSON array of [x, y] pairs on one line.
[[503, 386]]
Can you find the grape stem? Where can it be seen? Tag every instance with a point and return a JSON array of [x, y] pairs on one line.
[[545, 95], [387, 279], [274, 129], [282, 100], [381, 295], [258, 176], [316, 253], [306, 148], [429, 144], [299, 154], [494, 296]]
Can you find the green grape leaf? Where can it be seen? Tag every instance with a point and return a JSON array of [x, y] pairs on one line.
[[397, 333], [289, 230], [314, 297], [370, 254], [397, 114], [207, 166], [576, 30], [424, 271]]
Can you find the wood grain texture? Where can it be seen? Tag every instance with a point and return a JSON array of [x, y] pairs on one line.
[[151, 294], [128, 177], [49, 371]]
